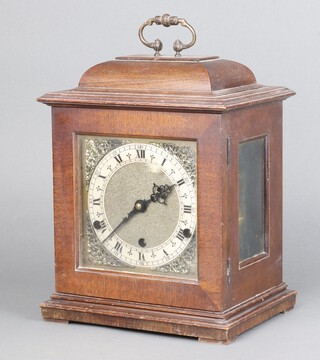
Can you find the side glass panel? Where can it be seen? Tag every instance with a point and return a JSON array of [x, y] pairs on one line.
[[252, 198]]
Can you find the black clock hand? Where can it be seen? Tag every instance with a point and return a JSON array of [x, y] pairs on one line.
[[139, 207], [159, 194]]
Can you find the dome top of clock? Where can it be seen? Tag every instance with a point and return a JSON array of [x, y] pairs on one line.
[[177, 83], [167, 75]]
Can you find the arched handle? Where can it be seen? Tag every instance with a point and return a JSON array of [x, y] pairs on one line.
[[167, 20]]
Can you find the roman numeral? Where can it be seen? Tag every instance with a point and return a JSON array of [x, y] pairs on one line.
[[118, 159], [103, 177], [118, 246], [164, 160], [141, 257], [180, 182], [180, 235], [187, 209], [141, 154], [165, 252], [103, 226], [96, 202], [100, 225]]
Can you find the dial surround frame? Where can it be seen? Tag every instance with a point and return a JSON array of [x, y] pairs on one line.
[[203, 293]]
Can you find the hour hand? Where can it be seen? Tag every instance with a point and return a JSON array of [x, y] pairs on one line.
[[160, 193]]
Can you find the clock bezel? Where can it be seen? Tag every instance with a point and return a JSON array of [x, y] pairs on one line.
[[206, 293]]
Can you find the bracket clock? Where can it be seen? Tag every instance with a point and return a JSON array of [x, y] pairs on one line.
[[167, 195]]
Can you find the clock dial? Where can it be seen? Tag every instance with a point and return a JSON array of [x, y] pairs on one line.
[[142, 205], [139, 206]]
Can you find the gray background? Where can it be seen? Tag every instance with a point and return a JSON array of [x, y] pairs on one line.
[[47, 45]]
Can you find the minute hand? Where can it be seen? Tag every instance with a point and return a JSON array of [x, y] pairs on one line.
[[159, 194], [139, 206]]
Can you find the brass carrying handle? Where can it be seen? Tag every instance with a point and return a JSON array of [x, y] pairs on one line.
[[167, 20]]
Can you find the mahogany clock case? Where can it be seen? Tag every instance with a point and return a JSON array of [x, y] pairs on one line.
[[218, 104]]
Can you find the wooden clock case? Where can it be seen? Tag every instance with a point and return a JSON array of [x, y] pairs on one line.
[[218, 104]]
